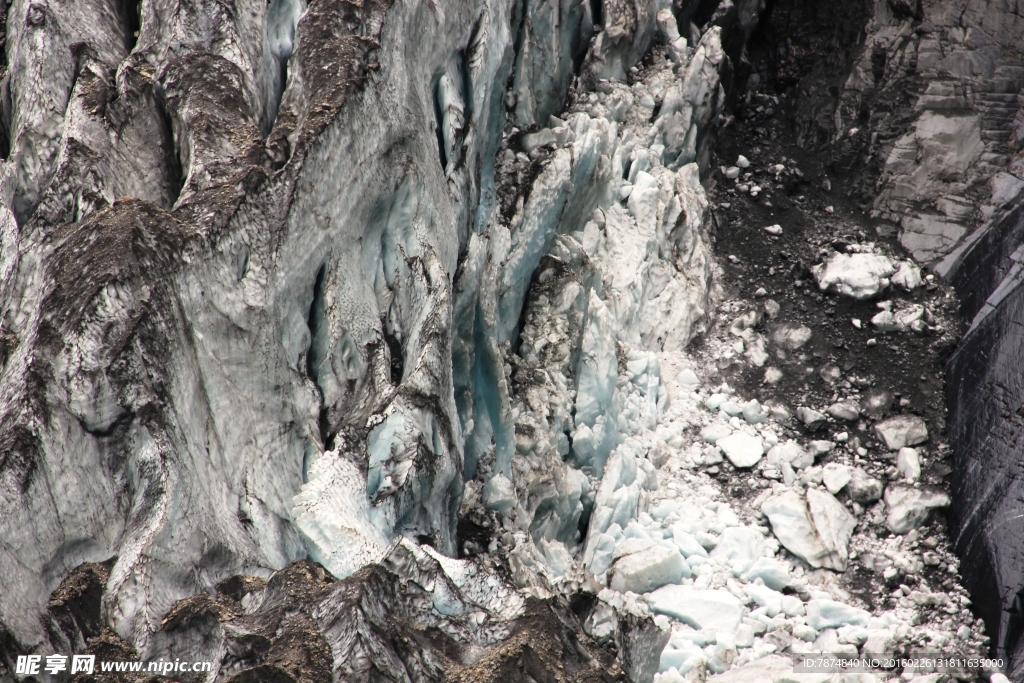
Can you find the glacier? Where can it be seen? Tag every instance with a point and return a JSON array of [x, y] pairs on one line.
[[293, 303]]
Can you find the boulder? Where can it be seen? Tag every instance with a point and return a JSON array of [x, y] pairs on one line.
[[901, 430]]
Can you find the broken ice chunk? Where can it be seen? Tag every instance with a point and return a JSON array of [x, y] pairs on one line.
[[835, 477], [860, 276], [902, 430], [714, 610], [499, 494], [907, 276], [822, 614], [816, 529], [738, 547], [764, 596], [909, 507], [742, 449], [774, 573], [715, 431], [908, 463], [644, 571]]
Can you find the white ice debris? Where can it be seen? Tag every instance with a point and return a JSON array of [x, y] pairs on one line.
[[742, 449], [863, 488], [901, 430], [824, 613], [715, 610], [907, 276], [905, 318], [654, 567], [909, 464], [909, 507], [791, 336], [816, 529], [860, 276], [835, 476]]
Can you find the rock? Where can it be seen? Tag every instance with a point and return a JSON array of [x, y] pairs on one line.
[[907, 276], [863, 488], [816, 529], [773, 229], [876, 402], [742, 162], [742, 449], [901, 430], [772, 375], [648, 569], [772, 309], [732, 172], [835, 477], [790, 336], [860, 276], [715, 431], [910, 507], [739, 547], [843, 410], [823, 613], [811, 418], [714, 610], [908, 463]]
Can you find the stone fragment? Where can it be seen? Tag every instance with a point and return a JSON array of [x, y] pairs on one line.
[[774, 229], [844, 410], [863, 488], [901, 430], [812, 419]]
